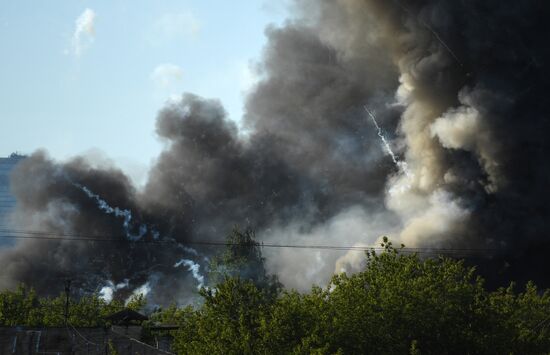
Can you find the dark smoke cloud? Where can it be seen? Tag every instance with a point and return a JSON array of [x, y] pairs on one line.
[[459, 89]]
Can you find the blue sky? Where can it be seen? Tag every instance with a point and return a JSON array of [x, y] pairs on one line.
[[70, 88]]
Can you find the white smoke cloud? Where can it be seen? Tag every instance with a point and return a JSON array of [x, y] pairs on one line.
[[428, 213], [463, 128], [107, 291], [143, 291], [167, 75], [434, 224], [457, 128], [84, 31], [299, 268], [169, 27]]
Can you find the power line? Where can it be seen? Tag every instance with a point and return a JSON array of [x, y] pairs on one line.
[[73, 237], [88, 341]]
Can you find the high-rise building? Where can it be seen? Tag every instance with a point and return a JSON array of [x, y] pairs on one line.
[[7, 201]]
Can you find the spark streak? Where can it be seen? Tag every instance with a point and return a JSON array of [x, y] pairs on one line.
[[401, 165], [381, 135], [434, 33]]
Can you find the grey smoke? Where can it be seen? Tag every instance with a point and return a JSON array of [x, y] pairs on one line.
[[459, 89]]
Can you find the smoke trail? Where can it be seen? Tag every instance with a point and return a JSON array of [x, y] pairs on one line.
[[194, 268], [108, 291], [124, 213]]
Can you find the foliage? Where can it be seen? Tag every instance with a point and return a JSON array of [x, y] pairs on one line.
[[400, 304], [242, 258], [228, 322], [24, 307], [112, 349]]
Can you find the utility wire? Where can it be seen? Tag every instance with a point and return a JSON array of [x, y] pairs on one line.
[[73, 237], [80, 335]]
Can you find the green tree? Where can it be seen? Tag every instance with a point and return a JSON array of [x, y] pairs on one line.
[[404, 304], [24, 307], [400, 304], [400, 300], [296, 323], [521, 320], [19, 307], [228, 322], [243, 258]]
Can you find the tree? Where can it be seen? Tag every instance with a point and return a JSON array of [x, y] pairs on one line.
[[243, 258], [24, 307], [19, 307], [240, 290], [398, 304], [228, 322], [400, 300], [296, 322], [522, 320]]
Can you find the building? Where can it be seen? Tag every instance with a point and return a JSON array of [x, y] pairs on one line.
[[71, 341], [122, 337], [7, 201]]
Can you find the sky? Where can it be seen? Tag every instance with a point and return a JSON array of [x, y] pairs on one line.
[[88, 77]]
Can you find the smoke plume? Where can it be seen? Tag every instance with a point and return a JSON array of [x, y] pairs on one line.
[[456, 90]]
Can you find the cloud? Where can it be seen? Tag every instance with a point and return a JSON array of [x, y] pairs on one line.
[[248, 77], [166, 75], [84, 31], [174, 26]]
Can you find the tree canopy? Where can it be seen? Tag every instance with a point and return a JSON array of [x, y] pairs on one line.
[[399, 304], [23, 307], [242, 258]]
